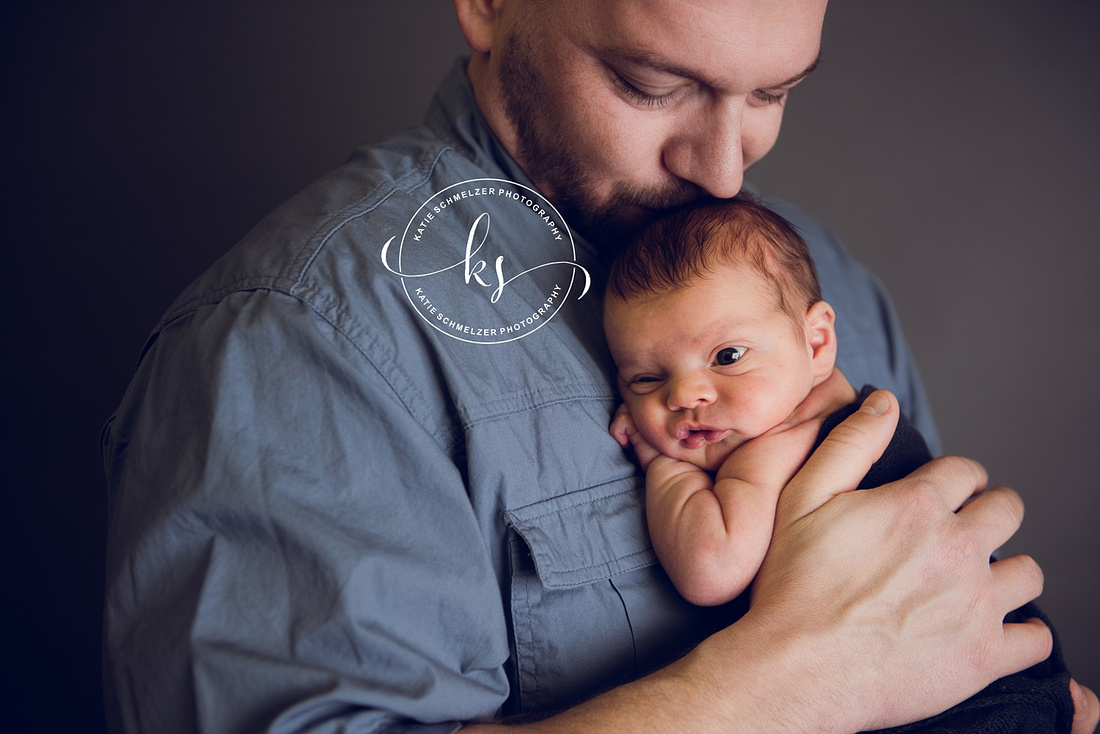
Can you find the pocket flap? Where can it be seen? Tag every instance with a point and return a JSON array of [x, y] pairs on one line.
[[588, 535]]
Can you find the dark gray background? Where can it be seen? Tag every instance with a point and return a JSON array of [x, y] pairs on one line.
[[951, 143]]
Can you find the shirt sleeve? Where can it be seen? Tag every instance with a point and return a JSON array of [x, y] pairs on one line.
[[290, 551]]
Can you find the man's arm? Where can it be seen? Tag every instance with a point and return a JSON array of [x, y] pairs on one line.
[[281, 529], [871, 608]]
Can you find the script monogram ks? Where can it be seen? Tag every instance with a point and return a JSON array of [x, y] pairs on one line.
[[486, 261]]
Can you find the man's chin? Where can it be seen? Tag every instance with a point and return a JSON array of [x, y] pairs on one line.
[[605, 234], [634, 216], [615, 224], [611, 229]]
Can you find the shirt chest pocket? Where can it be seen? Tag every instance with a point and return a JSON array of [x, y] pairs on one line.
[[590, 605]]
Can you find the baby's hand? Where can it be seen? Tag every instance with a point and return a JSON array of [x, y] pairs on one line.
[[626, 433]]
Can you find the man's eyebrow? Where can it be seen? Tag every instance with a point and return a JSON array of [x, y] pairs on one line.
[[642, 57], [802, 74]]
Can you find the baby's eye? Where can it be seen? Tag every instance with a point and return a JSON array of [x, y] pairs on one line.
[[643, 384], [729, 355]]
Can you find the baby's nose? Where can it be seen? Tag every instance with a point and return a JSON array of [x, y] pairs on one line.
[[689, 393]]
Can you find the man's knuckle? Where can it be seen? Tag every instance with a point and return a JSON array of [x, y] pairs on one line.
[[848, 435], [923, 496], [1011, 506], [1033, 573]]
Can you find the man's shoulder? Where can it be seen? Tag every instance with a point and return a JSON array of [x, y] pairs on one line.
[[335, 226]]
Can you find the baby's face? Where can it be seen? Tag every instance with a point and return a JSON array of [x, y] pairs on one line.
[[710, 366]]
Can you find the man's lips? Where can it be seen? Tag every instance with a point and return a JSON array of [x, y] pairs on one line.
[[699, 436]]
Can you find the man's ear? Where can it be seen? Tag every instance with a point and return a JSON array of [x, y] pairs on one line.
[[478, 20], [821, 338]]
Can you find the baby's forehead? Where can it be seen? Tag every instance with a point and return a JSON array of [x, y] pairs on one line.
[[740, 271], [731, 296], [732, 276]]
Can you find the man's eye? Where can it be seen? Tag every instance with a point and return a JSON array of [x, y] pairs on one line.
[[729, 355], [765, 98], [641, 97]]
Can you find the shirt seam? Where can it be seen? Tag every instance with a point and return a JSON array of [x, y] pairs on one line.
[[410, 181], [532, 397], [579, 502]]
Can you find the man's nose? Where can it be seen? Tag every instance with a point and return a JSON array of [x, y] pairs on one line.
[[689, 392], [708, 150]]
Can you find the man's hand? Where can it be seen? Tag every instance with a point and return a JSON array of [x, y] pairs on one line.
[[895, 583], [1086, 709]]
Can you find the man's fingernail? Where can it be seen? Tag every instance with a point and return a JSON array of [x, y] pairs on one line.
[[876, 404]]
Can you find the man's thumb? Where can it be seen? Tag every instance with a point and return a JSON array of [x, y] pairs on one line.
[[842, 459]]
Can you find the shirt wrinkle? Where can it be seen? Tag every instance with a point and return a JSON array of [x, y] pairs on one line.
[[419, 176]]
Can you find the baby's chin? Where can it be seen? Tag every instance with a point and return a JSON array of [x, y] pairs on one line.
[[709, 457]]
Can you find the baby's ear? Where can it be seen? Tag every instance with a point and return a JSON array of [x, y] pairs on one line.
[[821, 338]]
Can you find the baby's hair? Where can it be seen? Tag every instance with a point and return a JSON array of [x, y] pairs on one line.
[[690, 241]]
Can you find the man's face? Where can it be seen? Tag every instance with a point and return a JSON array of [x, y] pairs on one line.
[[618, 108]]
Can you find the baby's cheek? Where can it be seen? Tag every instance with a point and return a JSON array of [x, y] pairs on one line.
[[652, 434], [763, 410], [651, 425]]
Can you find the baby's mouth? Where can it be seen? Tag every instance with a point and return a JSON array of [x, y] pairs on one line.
[[697, 438]]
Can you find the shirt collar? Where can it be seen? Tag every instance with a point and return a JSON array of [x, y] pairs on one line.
[[456, 118]]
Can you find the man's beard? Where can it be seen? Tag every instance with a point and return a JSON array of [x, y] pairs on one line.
[[553, 163]]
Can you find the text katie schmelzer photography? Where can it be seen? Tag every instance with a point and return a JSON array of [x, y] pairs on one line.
[[455, 276]]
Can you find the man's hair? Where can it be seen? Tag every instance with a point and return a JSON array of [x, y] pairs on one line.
[[692, 240]]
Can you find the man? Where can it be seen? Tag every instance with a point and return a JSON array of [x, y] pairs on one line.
[[337, 505]]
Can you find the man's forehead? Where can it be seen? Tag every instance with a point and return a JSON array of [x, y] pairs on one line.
[[644, 57], [776, 42]]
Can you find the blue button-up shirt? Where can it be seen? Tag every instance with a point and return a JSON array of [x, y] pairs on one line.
[[335, 503]]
